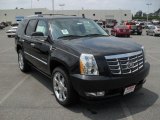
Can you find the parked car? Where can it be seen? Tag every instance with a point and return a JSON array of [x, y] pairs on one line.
[[110, 23], [5, 24], [2, 26], [141, 24], [80, 58], [147, 25], [155, 22], [134, 29], [100, 23], [153, 30], [14, 24], [11, 32], [120, 30]]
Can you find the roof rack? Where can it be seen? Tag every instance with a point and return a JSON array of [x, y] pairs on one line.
[[42, 15], [56, 14]]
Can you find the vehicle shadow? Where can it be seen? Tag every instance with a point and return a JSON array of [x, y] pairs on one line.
[[110, 109]]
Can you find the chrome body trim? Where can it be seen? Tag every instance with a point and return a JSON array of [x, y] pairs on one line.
[[36, 58]]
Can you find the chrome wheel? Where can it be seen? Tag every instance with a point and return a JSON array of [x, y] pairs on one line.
[[20, 61], [59, 87]]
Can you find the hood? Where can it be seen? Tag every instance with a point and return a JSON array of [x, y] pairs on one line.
[[102, 45]]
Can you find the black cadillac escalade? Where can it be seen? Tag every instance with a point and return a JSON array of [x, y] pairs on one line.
[[80, 58]]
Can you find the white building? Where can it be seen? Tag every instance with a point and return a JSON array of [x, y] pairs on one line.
[[14, 14]]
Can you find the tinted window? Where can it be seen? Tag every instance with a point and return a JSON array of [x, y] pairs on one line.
[[31, 27], [21, 27], [42, 27]]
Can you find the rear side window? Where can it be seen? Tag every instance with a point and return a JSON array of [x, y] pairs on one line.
[[21, 27], [42, 27], [31, 27]]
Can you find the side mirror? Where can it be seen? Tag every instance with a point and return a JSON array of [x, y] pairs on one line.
[[39, 36]]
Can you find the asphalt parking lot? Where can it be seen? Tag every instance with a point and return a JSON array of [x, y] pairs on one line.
[[29, 96]]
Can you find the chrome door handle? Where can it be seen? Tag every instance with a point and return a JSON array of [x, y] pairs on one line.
[[32, 44]]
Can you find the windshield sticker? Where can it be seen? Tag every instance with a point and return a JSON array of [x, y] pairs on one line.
[[65, 32]]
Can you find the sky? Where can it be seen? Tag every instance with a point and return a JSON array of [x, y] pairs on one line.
[[133, 5]]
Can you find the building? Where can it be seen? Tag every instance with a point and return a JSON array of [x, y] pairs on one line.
[[18, 14]]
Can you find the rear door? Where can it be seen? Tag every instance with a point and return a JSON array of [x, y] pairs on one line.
[[28, 42]]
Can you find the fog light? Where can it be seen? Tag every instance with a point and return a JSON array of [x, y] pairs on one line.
[[95, 94]]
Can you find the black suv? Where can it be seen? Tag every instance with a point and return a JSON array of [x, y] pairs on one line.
[[80, 58]]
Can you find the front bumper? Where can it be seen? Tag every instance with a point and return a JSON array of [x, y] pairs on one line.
[[157, 33], [111, 85], [123, 33]]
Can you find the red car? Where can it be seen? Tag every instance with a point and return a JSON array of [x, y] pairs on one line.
[[120, 30]]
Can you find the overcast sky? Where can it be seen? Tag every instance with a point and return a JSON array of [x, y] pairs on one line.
[[133, 5]]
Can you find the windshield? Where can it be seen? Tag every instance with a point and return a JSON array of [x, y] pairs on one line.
[[80, 27]]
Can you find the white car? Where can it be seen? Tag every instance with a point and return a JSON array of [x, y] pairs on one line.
[[153, 30], [155, 22], [148, 25], [11, 32]]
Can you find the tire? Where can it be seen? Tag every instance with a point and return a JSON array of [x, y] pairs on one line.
[[139, 33], [146, 33], [128, 36], [23, 65], [9, 36], [154, 34], [62, 87]]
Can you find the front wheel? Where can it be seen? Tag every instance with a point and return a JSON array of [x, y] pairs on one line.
[[23, 65], [154, 34], [62, 87]]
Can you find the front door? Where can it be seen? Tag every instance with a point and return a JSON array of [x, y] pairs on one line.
[[42, 48]]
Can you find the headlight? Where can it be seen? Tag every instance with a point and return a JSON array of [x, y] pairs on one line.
[[144, 52], [88, 65]]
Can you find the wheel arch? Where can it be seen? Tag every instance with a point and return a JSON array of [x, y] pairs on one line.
[[58, 63]]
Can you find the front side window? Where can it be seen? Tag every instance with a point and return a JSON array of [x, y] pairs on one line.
[[42, 27], [75, 27], [31, 27]]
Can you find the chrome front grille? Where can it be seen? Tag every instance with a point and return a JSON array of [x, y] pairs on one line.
[[125, 63]]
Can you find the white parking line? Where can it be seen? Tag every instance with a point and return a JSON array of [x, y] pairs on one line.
[[3, 51], [12, 90], [126, 111], [158, 60]]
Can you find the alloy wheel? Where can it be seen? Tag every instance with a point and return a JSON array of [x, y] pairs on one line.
[[59, 87]]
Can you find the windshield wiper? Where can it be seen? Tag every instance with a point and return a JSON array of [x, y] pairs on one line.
[[69, 36], [94, 35]]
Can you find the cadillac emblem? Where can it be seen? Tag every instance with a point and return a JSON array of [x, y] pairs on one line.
[[130, 64]]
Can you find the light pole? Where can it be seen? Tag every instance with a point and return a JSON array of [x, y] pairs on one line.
[[53, 6], [148, 4], [31, 4]]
